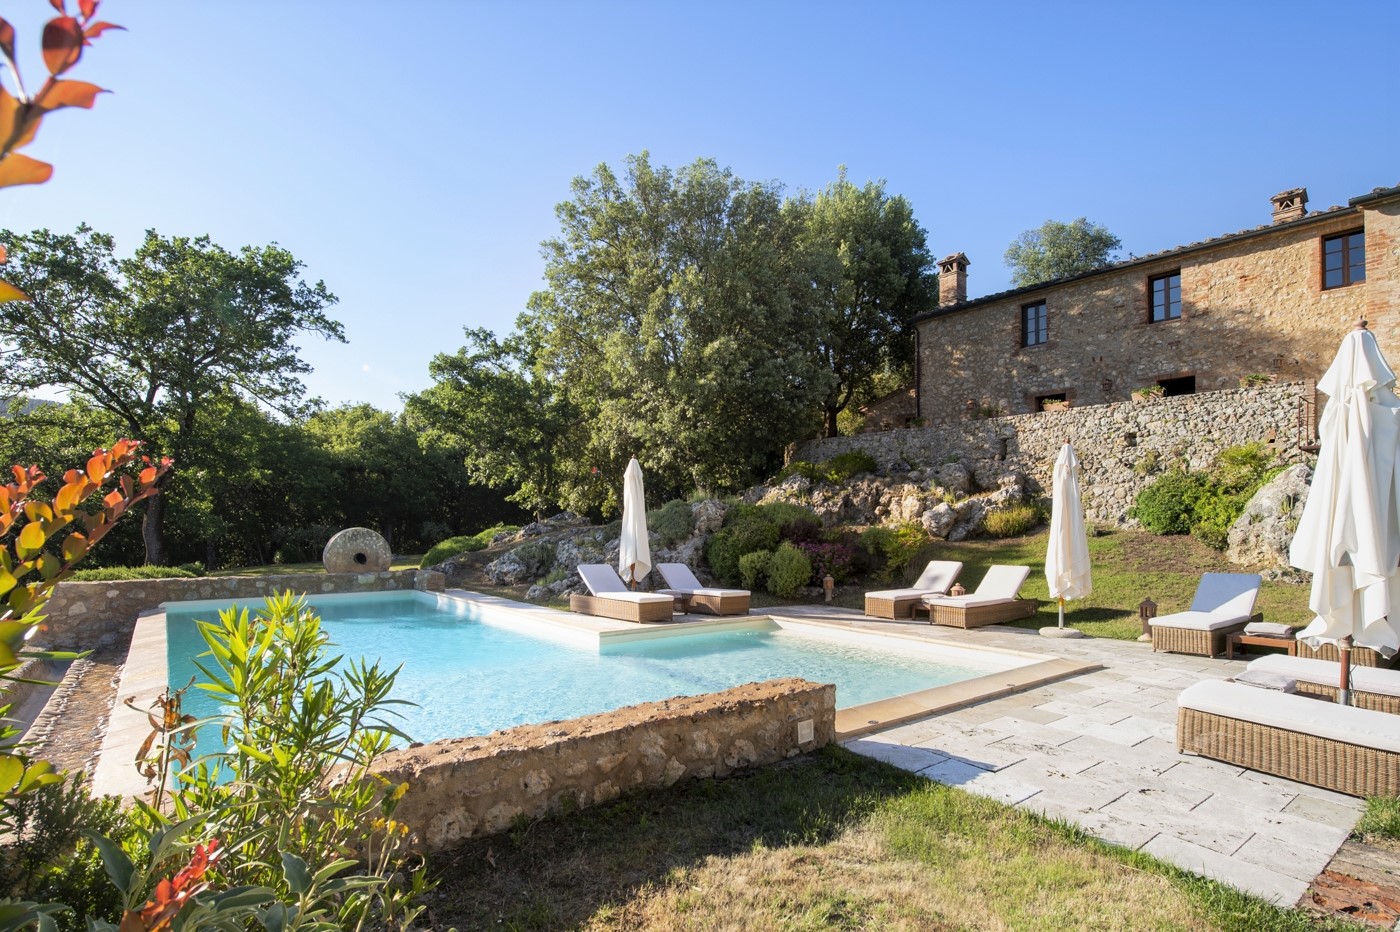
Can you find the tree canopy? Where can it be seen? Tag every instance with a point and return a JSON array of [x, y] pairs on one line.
[[1058, 250]]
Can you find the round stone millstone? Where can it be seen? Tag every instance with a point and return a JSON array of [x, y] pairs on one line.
[[356, 550]]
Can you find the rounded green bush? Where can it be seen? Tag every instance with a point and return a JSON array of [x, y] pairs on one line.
[[1012, 522], [673, 522], [788, 570], [751, 531], [1167, 505], [753, 569], [847, 465], [465, 543]]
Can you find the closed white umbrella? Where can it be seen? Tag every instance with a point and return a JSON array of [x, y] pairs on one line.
[[634, 553], [1067, 554], [1348, 536]]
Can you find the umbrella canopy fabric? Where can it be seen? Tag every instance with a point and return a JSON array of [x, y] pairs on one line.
[[1348, 536], [1067, 556], [634, 553]]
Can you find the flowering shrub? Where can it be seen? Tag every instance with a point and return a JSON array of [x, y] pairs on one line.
[[834, 559]]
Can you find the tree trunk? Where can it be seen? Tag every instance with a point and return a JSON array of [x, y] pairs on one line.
[[211, 556], [830, 430], [153, 530]]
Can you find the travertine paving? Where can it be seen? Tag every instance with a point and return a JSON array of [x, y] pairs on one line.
[[1099, 750]]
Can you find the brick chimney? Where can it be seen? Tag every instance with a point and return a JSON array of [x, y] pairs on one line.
[[952, 279], [1290, 205]]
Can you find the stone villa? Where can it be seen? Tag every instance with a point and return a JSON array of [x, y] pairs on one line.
[[1271, 302]]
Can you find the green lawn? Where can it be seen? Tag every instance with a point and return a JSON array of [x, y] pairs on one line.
[[1128, 567], [826, 841]]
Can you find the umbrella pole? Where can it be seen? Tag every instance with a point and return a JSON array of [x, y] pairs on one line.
[[1062, 611], [1344, 648]]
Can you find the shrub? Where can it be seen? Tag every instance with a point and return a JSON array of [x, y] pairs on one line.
[[753, 568], [893, 548], [836, 559], [466, 543], [1166, 506], [809, 471], [109, 573], [847, 465], [673, 522], [1213, 515], [1013, 521], [750, 532], [788, 570], [782, 514]]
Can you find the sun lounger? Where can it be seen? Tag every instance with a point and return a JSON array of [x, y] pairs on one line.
[[612, 599], [1345, 749], [936, 579], [1224, 604], [994, 601], [700, 597], [1371, 688]]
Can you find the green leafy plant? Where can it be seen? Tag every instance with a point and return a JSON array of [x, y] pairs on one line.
[[1149, 391], [1012, 521], [788, 570], [1257, 380], [893, 548], [110, 573], [748, 531], [1205, 504], [673, 522], [753, 569], [466, 543], [847, 465]]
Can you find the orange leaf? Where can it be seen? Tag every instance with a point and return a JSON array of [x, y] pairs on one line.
[[58, 5], [21, 169], [30, 541], [112, 499], [97, 467], [97, 29], [75, 547], [63, 44], [9, 292], [87, 7], [7, 40], [69, 94]]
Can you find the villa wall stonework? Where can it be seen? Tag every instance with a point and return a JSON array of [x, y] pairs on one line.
[[86, 615], [460, 788], [1248, 305], [1122, 447]]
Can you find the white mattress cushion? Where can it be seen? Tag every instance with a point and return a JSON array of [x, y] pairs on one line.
[[638, 597], [719, 593], [966, 600], [1362, 727], [600, 578], [898, 594], [1227, 593], [1197, 621], [938, 576], [1329, 673], [1003, 582]]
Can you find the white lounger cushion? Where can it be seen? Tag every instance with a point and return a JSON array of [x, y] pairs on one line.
[[638, 597], [1227, 594], [601, 578], [680, 578], [999, 585], [973, 599], [898, 593], [1196, 621], [1362, 727], [938, 576], [1329, 673]]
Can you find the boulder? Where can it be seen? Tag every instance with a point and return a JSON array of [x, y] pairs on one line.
[[1264, 529], [939, 519], [954, 478]]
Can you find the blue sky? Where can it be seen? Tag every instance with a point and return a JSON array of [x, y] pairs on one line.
[[411, 154]]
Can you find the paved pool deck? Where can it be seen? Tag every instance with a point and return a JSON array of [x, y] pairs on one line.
[[1099, 750]]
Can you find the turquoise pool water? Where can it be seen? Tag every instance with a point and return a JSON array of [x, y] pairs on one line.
[[471, 673]]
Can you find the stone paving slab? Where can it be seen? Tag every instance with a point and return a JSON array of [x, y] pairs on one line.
[[1099, 751]]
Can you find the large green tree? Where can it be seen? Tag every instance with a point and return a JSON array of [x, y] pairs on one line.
[[156, 338], [673, 322], [1058, 250], [504, 420], [871, 272]]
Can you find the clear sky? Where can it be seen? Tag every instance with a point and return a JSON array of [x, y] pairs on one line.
[[411, 153]]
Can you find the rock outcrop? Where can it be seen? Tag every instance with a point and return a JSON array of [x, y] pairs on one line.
[[1264, 530]]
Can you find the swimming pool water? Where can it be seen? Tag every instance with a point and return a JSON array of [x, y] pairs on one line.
[[471, 672]]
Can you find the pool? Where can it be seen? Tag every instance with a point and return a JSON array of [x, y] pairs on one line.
[[472, 669]]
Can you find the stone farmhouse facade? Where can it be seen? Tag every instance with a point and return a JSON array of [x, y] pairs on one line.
[[1269, 303]]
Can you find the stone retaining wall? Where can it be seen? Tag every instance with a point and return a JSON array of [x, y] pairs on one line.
[[463, 787], [1121, 446], [86, 615]]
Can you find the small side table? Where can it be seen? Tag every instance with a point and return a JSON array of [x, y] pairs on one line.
[[921, 608], [682, 603], [1240, 639]]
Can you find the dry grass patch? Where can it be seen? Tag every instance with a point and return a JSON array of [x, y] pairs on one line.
[[826, 841]]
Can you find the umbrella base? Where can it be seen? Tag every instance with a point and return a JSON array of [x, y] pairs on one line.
[[1061, 633]]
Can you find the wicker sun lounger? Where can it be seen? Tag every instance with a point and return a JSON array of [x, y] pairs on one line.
[[1370, 688], [936, 579], [681, 581], [994, 601], [1348, 750], [612, 599], [1223, 605]]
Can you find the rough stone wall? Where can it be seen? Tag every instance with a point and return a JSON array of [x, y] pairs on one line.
[[893, 410], [462, 787], [1250, 306], [1122, 447], [84, 615]]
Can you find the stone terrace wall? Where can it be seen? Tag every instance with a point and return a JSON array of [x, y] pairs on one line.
[[84, 615], [463, 787], [1111, 441]]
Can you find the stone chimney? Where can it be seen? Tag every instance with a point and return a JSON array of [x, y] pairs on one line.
[[1290, 205], [952, 279]]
